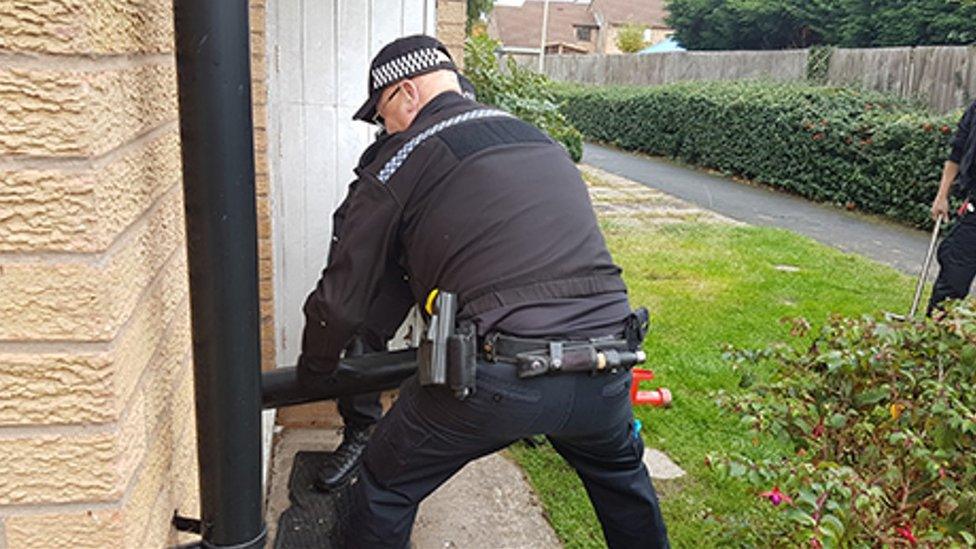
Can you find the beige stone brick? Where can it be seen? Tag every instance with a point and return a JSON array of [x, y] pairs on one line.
[[452, 36], [260, 114], [262, 183], [141, 516], [259, 89], [261, 142], [169, 370], [76, 113], [186, 485], [265, 271], [266, 287], [259, 43], [183, 418], [77, 387], [267, 358], [81, 300], [152, 480], [451, 11], [259, 68], [73, 467], [264, 225], [257, 17], [66, 210], [160, 330], [86, 27], [56, 388], [93, 529]]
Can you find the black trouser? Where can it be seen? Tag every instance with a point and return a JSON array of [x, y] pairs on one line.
[[429, 435], [362, 410], [957, 262]]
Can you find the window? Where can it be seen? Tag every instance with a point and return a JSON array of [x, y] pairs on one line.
[[583, 33], [647, 35]]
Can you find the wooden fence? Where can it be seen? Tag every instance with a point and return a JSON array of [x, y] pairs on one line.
[[943, 77]]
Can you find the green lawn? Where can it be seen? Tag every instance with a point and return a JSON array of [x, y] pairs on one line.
[[706, 285]]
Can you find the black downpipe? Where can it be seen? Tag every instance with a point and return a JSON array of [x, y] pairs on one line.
[[213, 68]]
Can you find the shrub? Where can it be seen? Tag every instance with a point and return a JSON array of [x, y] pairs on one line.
[[520, 91], [630, 38], [882, 418], [852, 148]]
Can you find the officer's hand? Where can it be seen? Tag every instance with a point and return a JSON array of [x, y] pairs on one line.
[[940, 208]]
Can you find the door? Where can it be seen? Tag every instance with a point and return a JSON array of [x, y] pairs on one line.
[[319, 53]]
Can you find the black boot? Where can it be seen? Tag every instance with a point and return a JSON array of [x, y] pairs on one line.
[[344, 459]]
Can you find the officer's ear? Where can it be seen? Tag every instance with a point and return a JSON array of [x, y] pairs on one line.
[[411, 95]]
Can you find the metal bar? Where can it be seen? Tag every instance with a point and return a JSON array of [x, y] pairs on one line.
[[363, 374], [213, 70], [925, 268]]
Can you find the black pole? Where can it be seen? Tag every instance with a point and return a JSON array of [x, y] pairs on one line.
[[213, 69]]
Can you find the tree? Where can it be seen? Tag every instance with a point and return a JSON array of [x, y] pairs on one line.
[[630, 38], [476, 10], [779, 24]]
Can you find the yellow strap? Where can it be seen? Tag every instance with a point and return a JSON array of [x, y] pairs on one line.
[[430, 301]]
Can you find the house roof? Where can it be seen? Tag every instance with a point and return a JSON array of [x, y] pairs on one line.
[[643, 12], [520, 26]]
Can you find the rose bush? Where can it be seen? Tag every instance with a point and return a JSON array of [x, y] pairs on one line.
[[881, 417]]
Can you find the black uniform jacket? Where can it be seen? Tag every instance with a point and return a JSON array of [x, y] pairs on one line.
[[473, 201], [964, 150]]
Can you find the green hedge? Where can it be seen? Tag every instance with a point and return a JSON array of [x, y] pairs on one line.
[[857, 149]]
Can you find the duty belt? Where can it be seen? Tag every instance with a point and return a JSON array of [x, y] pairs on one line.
[[536, 357]]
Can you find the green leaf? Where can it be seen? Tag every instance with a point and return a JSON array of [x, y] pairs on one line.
[[837, 421], [801, 517], [832, 524], [872, 396], [736, 469]]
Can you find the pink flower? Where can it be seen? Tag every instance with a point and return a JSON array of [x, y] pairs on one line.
[[776, 497], [818, 430], [815, 544], [906, 532]]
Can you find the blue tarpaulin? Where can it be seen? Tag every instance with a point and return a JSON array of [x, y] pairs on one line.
[[664, 46]]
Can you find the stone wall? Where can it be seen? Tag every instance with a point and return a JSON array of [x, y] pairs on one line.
[[97, 438], [97, 429]]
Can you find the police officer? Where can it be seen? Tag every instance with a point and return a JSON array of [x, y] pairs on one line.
[[957, 252], [360, 413], [470, 200]]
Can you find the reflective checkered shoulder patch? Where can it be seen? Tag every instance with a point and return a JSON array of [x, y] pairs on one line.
[[393, 164]]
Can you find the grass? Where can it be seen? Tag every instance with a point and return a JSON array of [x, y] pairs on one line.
[[707, 285]]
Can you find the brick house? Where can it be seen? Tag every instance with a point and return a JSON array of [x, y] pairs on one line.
[[97, 436], [575, 26]]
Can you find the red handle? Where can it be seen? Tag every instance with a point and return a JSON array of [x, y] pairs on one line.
[[658, 397]]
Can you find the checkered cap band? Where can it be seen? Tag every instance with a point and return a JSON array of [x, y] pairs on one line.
[[393, 164], [406, 65]]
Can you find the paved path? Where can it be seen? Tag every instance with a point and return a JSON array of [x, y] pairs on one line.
[[894, 245]]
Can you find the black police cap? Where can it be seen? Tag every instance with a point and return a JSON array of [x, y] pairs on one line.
[[403, 58]]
